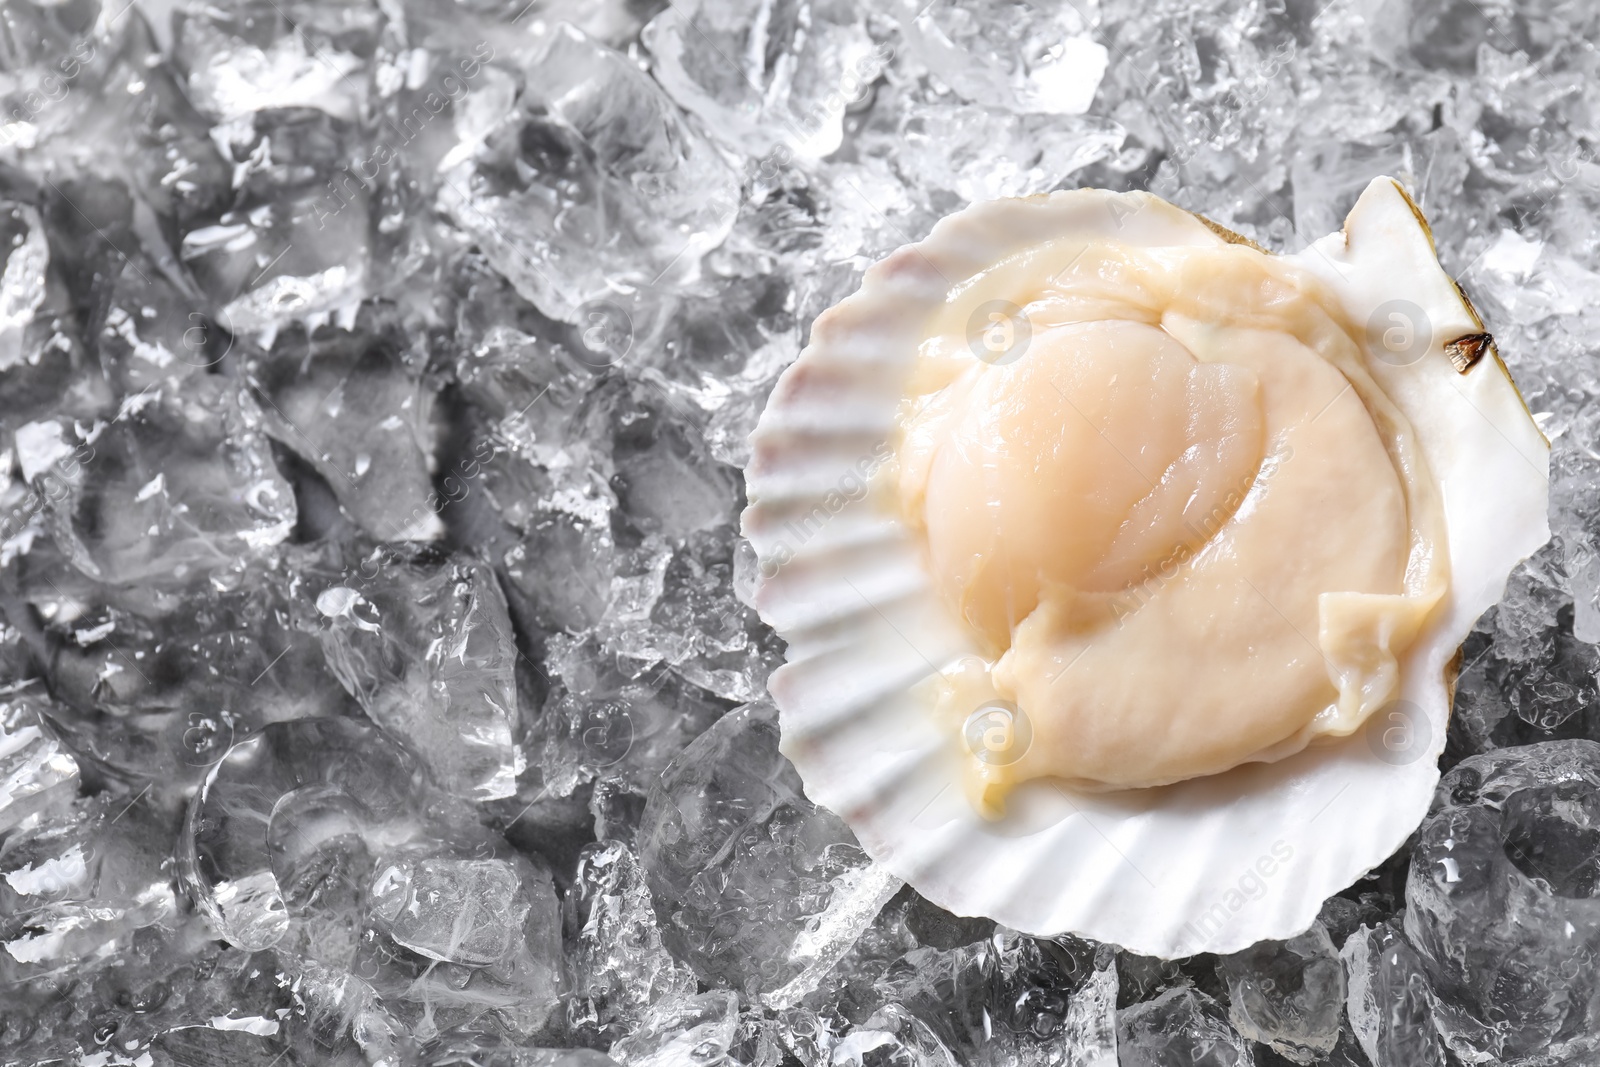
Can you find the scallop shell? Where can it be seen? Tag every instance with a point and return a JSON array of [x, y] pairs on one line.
[[1208, 865]]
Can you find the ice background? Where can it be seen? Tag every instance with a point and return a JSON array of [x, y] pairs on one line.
[[380, 685]]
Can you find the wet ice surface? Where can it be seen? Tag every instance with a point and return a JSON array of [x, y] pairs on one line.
[[379, 680]]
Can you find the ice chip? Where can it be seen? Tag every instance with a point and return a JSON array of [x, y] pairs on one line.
[[22, 283], [160, 694], [593, 182], [620, 965], [757, 888], [1090, 1027], [600, 723], [227, 851], [665, 479], [687, 1030], [1022, 58], [769, 73], [326, 839], [1181, 1026], [1391, 1006], [37, 775], [460, 911], [250, 911], [44, 370], [77, 886], [997, 996], [678, 609], [1288, 994], [858, 896], [233, 69], [142, 126], [204, 1046], [295, 245], [1500, 903], [151, 330], [474, 1048], [892, 1036], [353, 405], [561, 568], [219, 497], [423, 640], [979, 153]]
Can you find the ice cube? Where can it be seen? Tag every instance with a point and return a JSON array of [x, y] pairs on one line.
[[771, 73], [592, 182], [892, 1037], [37, 776], [531, 387], [1016, 998], [1545, 674], [666, 481], [1089, 1030], [719, 347], [1005, 999], [52, 48], [108, 104], [1019, 57], [295, 245], [1479, 710], [1552, 693], [619, 963], [151, 330], [469, 1048], [1288, 994], [757, 888], [77, 885], [679, 610], [560, 570], [244, 57], [159, 693], [601, 723], [225, 853], [423, 640], [353, 405], [1180, 1027], [320, 868], [457, 911], [1499, 903], [686, 1030], [181, 482], [163, 142], [1391, 1006], [43, 367], [980, 154], [852, 989], [324, 839], [534, 478], [871, 211], [203, 1046]]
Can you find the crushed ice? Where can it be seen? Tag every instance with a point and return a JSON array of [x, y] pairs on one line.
[[378, 682]]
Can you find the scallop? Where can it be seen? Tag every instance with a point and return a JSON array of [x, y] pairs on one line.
[[1124, 565]]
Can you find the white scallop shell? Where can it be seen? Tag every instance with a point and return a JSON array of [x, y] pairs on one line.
[[1212, 864]]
